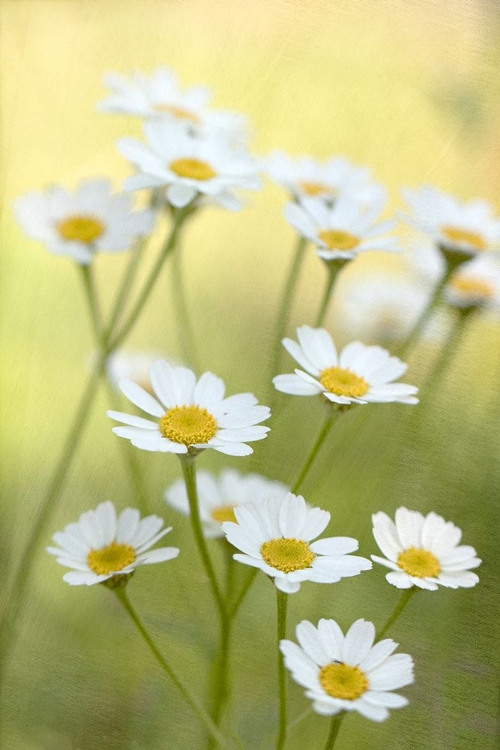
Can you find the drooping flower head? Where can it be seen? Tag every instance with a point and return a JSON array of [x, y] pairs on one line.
[[475, 284], [348, 672], [190, 414], [358, 375], [423, 551], [102, 546]]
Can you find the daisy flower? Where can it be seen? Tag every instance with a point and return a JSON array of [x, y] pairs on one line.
[[161, 97], [80, 224], [218, 497], [462, 229], [348, 672], [475, 284], [423, 551], [343, 231], [102, 546], [133, 365], [358, 375], [275, 534], [188, 166], [190, 415]]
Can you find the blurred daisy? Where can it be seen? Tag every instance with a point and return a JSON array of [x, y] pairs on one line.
[[160, 97], [133, 365], [475, 284], [423, 551], [358, 375], [102, 546], [463, 228], [190, 415], [341, 232], [348, 672], [275, 534], [80, 224], [187, 166], [218, 497]]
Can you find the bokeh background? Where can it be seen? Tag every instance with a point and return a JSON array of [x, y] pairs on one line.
[[411, 89]]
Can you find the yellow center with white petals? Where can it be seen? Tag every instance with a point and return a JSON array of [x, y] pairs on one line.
[[315, 188], [179, 112], [80, 228], [287, 554], [475, 288], [343, 681], [110, 559], [464, 236], [336, 239], [194, 169], [223, 513], [419, 563], [189, 425], [343, 382]]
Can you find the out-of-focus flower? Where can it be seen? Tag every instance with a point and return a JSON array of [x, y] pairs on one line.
[[475, 284], [132, 365], [348, 672], [92, 219], [423, 551], [358, 375]]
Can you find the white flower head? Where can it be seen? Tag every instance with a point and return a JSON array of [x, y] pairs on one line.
[[348, 672], [274, 535], [476, 284], [218, 497], [102, 545], [360, 374], [188, 166], [132, 365], [423, 551], [343, 231], [79, 224], [190, 414], [463, 228], [160, 97]]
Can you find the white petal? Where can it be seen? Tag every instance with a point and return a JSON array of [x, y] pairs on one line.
[[335, 545], [161, 554], [179, 194], [358, 642], [140, 397], [283, 584], [131, 419], [294, 385]]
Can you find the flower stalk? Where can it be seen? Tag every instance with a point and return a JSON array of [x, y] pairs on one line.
[[282, 602]]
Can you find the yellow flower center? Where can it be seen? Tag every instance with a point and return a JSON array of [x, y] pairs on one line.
[[343, 681], [315, 188], [188, 424], [80, 228], [343, 382], [336, 239], [195, 169], [475, 288], [287, 554], [179, 112], [110, 559], [419, 563], [224, 513], [464, 236]]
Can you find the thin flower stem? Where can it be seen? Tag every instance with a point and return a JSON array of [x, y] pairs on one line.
[[243, 592], [334, 730], [403, 601], [184, 325], [327, 425], [91, 296], [126, 285], [281, 601], [446, 354], [332, 269], [183, 689], [416, 332]]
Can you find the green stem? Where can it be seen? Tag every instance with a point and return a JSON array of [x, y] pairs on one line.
[[243, 592], [91, 296], [182, 310], [333, 267], [446, 355], [334, 730], [183, 689], [281, 601], [425, 317], [126, 285], [403, 601], [327, 425]]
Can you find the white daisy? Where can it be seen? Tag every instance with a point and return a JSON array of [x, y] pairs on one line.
[[219, 497], [423, 551], [274, 535], [90, 220], [475, 284], [188, 166], [464, 229], [133, 365], [190, 414], [358, 375], [343, 231], [160, 97], [101, 546], [348, 672]]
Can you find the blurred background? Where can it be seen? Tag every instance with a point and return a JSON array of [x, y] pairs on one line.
[[410, 89]]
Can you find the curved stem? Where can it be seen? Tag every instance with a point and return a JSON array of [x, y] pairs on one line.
[[333, 269], [243, 592], [182, 310], [281, 601], [183, 689], [403, 601], [424, 318], [317, 445], [126, 285], [91, 296], [446, 355], [334, 730]]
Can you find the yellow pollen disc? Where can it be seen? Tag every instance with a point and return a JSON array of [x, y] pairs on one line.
[[336, 239], [179, 112], [287, 554], [195, 169], [188, 424], [224, 513], [343, 382], [419, 563], [464, 236], [110, 559], [80, 228], [468, 287], [343, 681], [315, 188]]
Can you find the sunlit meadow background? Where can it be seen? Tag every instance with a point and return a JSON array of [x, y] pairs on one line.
[[411, 89]]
